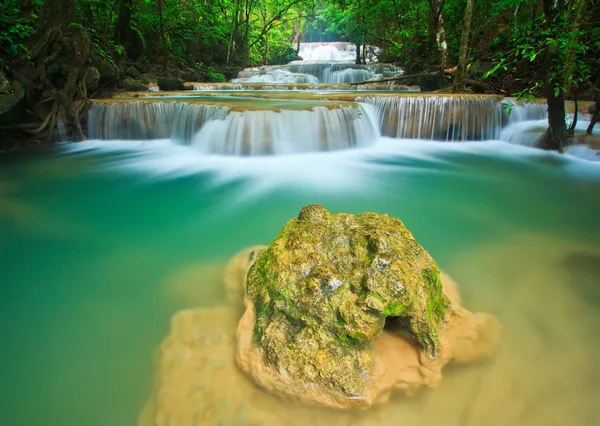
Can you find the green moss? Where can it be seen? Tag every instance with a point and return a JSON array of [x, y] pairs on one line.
[[394, 310], [325, 285]]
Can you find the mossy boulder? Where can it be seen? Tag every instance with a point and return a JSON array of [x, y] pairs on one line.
[[148, 77], [92, 79], [132, 72], [169, 83], [5, 86], [323, 289], [133, 85]]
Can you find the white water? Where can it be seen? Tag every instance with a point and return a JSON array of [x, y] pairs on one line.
[[280, 76], [343, 171], [288, 131], [150, 120], [335, 51], [443, 118], [218, 130], [326, 72], [529, 133], [212, 129]]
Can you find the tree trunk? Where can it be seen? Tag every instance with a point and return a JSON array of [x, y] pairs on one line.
[[163, 43], [596, 117], [61, 40], [436, 7], [55, 13], [555, 137], [357, 53], [459, 81], [123, 23]]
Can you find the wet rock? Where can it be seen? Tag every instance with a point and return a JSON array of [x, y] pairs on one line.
[[189, 74], [10, 101], [132, 72], [318, 299], [397, 363], [321, 293], [169, 83], [107, 68], [5, 87], [133, 85], [92, 79], [235, 274], [148, 77]]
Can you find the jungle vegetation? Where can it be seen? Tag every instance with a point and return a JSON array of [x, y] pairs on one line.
[[58, 53]]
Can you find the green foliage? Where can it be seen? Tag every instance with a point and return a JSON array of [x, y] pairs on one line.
[[521, 48], [509, 37], [215, 76], [16, 26]]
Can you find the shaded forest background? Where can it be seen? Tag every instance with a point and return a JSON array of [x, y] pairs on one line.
[[57, 53]]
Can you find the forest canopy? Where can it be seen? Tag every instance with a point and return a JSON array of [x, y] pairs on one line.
[[69, 49]]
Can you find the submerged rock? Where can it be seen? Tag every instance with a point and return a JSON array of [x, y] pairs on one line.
[[318, 299]]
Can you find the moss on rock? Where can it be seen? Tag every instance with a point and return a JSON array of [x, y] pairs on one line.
[[324, 287]]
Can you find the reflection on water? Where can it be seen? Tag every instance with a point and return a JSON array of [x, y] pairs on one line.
[[143, 233]]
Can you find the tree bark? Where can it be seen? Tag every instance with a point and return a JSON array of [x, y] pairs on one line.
[[123, 23], [555, 137], [163, 43], [60, 39], [459, 80], [436, 7], [596, 117]]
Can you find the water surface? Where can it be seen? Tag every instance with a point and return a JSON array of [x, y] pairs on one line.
[[102, 242]]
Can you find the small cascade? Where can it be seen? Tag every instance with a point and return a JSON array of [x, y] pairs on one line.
[[527, 133], [444, 118], [219, 130], [281, 76], [350, 75], [150, 120], [324, 72], [520, 111], [214, 87], [335, 51], [288, 131]]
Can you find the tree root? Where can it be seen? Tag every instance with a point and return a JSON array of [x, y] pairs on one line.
[[49, 118]]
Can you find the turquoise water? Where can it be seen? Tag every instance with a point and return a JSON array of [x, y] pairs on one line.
[[101, 243]]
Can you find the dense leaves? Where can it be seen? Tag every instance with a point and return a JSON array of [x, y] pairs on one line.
[[506, 45]]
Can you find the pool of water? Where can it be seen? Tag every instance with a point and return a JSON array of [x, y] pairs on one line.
[[102, 242]]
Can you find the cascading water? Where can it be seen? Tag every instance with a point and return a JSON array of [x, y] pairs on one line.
[[280, 76], [288, 131], [219, 130], [266, 127], [150, 120], [326, 72], [524, 111], [232, 87], [445, 118], [335, 51]]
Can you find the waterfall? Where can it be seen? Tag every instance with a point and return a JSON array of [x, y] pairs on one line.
[[324, 72], [280, 76], [288, 131], [218, 130], [445, 118], [519, 111], [149, 120], [261, 128], [382, 87], [334, 51]]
